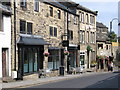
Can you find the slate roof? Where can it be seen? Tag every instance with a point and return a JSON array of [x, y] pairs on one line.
[[100, 25], [63, 4]]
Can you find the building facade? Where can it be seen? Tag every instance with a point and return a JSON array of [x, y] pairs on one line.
[[87, 33], [40, 27], [5, 41], [104, 46]]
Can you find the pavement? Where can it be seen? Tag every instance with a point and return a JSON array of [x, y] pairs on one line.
[[40, 81]]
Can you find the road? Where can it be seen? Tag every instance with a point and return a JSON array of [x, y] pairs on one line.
[[103, 80]]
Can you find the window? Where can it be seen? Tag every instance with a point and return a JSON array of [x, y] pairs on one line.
[[70, 35], [36, 6], [82, 17], [100, 46], [69, 17], [106, 47], [1, 23], [22, 26], [75, 20], [53, 31], [87, 37], [93, 37], [29, 28], [82, 36], [23, 3], [51, 11], [25, 27], [59, 14], [87, 19], [92, 19], [53, 59]]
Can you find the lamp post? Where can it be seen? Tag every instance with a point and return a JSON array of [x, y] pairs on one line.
[[111, 23]]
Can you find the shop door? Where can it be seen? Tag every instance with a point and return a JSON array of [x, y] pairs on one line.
[[4, 62]]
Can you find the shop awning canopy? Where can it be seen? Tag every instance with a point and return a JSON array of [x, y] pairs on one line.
[[31, 40]]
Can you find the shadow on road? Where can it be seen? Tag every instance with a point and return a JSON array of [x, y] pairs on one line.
[[111, 83]]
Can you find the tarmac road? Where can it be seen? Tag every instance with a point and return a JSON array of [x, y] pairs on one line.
[[103, 80]]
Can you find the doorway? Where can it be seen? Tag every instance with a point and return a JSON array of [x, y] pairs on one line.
[[4, 62]]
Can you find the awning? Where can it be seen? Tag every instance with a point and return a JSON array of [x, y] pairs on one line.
[[31, 40]]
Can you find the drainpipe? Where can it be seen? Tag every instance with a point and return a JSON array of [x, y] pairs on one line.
[[14, 35]]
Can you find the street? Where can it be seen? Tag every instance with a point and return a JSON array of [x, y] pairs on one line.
[[104, 80]]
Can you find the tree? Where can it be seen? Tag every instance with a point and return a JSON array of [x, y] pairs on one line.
[[112, 36]]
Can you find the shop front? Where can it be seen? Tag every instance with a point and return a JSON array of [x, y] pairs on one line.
[[30, 54]]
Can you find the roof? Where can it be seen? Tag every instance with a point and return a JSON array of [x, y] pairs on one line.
[[87, 10], [101, 25], [57, 4]]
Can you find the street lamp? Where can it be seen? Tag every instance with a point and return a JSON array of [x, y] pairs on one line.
[[111, 23]]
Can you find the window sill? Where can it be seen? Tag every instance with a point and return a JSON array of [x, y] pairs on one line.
[[1, 32]]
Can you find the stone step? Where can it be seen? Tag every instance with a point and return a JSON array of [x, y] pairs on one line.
[[7, 79]]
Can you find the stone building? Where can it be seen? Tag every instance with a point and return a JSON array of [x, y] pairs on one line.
[[5, 41], [104, 46], [87, 33], [43, 30], [38, 28]]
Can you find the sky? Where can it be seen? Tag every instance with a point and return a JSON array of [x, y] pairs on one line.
[[107, 10]]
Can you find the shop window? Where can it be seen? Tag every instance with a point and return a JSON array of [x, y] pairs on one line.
[[82, 59], [53, 59]]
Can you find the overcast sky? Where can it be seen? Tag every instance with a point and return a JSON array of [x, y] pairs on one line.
[[107, 10]]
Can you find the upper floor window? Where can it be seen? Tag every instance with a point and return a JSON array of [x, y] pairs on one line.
[[29, 28], [23, 3], [53, 31], [92, 19], [69, 17], [22, 26], [87, 19], [70, 34], [26, 27], [59, 14], [36, 6], [82, 16], [51, 11], [87, 37], [82, 36], [75, 20], [1, 23]]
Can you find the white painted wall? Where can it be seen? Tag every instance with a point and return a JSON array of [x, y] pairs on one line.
[[5, 41]]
